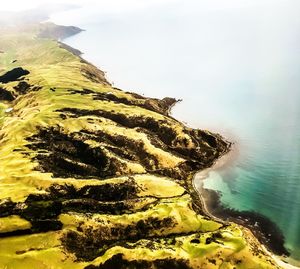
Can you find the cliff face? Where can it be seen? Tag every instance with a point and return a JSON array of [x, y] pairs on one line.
[[95, 177]]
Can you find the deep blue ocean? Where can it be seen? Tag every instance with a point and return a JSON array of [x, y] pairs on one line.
[[237, 69]]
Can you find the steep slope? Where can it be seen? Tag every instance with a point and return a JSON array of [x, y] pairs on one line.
[[95, 177]]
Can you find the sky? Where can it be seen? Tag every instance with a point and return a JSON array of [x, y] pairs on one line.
[[127, 5], [19, 5]]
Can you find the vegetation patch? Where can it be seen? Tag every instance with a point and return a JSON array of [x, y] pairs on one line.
[[13, 75], [88, 242], [118, 261], [6, 95], [65, 156]]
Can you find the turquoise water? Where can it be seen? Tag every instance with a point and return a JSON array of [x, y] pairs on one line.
[[236, 67]]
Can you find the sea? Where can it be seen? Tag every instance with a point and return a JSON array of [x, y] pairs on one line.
[[236, 67]]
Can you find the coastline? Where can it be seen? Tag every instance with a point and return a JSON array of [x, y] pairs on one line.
[[109, 174], [201, 175], [77, 199], [211, 204], [220, 162]]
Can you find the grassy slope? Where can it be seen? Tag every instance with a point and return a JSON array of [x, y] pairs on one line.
[[52, 189]]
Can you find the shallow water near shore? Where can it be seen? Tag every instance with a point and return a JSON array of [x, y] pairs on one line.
[[237, 71]]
